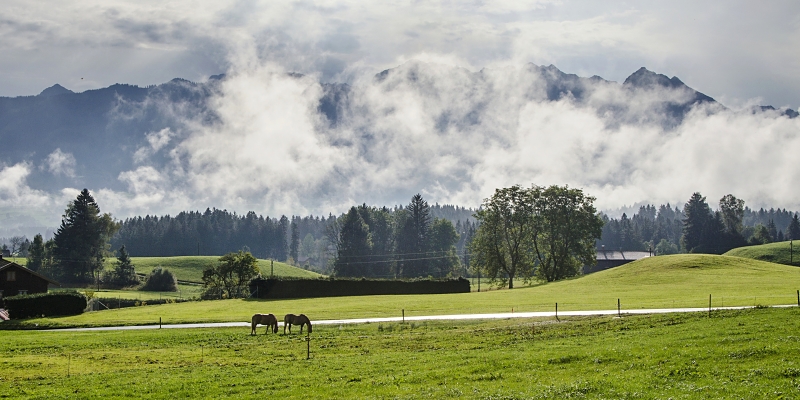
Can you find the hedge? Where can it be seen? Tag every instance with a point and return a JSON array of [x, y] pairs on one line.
[[114, 302], [45, 304], [305, 288]]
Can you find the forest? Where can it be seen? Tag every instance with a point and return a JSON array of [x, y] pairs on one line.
[[663, 229]]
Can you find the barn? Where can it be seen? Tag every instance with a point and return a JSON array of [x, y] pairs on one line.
[[609, 259], [16, 279]]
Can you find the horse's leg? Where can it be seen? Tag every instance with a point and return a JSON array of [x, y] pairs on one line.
[[253, 328], [301, 328]]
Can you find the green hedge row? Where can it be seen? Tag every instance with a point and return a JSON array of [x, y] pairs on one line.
[[305, 288], [45, 304], [113, 302]]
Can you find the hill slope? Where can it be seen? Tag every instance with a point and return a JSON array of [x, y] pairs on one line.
[[657, 282], [190, 268], [779, 252]]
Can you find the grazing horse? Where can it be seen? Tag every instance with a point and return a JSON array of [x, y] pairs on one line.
[[264, 319], [291, 319]]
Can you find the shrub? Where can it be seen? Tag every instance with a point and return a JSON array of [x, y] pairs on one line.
[[45, 304], [160, 280]]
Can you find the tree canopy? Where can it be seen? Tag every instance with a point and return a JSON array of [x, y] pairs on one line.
[[81, 242], [549, 232]]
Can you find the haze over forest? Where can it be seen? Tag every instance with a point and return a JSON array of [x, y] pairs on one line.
[[287, 127]]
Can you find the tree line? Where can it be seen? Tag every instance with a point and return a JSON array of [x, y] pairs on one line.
[[697, 227], [403, 242]]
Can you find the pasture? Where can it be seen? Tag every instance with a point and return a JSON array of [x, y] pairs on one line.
[[779, 252], [657, 282], [734, 354], [190, 268]]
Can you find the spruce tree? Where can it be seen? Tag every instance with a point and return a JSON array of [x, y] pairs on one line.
[[36, 253], [124, 271], [412, 238], [354, 246], [793, 230], [294, 244], [81, 240]]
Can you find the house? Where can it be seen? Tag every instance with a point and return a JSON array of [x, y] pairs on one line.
[[16, 279], [609, 259]]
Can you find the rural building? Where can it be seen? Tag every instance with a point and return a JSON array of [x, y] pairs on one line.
[[609, 259], [16, 279]]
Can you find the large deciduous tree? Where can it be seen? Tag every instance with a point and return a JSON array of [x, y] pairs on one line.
[[568, 225], [81, 241], [230, 276], [550, 231], [503, 242]]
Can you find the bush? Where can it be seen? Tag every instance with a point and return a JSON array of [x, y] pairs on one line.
[[45, 304], [160, 280]]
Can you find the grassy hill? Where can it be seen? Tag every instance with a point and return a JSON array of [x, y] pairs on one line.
[[190, 268], [779, 252], [657, 282]]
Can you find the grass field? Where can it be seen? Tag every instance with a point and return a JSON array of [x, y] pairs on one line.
[[734, 354], [184, 292], [655, 282], [190, 268], [779, 252]]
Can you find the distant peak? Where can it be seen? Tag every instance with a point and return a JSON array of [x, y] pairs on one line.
[[55, 90], [644, 78]]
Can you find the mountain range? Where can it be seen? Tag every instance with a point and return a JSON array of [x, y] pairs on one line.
[[89, 139]]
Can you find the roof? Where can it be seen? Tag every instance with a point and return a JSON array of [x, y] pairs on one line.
[[622, 255], [10, 264]]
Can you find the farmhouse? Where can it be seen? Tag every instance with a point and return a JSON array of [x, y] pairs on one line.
[[16, 279], [610, 259]]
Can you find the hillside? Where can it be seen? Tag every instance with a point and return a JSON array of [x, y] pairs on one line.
[[190, 268], [656, 282], [779, 252]]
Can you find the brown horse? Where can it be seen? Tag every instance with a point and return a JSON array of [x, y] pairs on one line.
[[264, 319], [291, 319]]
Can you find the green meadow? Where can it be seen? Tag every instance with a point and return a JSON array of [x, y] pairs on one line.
[[190, 268], [748, 354], [779, 252], [657, 282]]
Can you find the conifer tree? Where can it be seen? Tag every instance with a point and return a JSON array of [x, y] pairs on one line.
[[81, 240]]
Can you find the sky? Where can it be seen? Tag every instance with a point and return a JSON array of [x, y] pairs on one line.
[[741, 53]]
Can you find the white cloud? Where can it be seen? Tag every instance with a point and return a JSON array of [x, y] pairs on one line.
[[60, 163], [445, 133]]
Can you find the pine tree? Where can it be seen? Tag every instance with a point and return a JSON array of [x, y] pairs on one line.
[[353, 256], [81, 240], [294, 244], [412, 238], [124, 271], [696, 223], [773, 231], [793, 230], [36, 253]]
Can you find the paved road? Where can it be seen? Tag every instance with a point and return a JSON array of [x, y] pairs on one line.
[[419, 318]]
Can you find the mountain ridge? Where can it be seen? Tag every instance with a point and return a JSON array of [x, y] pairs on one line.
[[103, 128]]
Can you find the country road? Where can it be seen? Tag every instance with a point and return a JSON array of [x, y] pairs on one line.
[[451, 317]]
